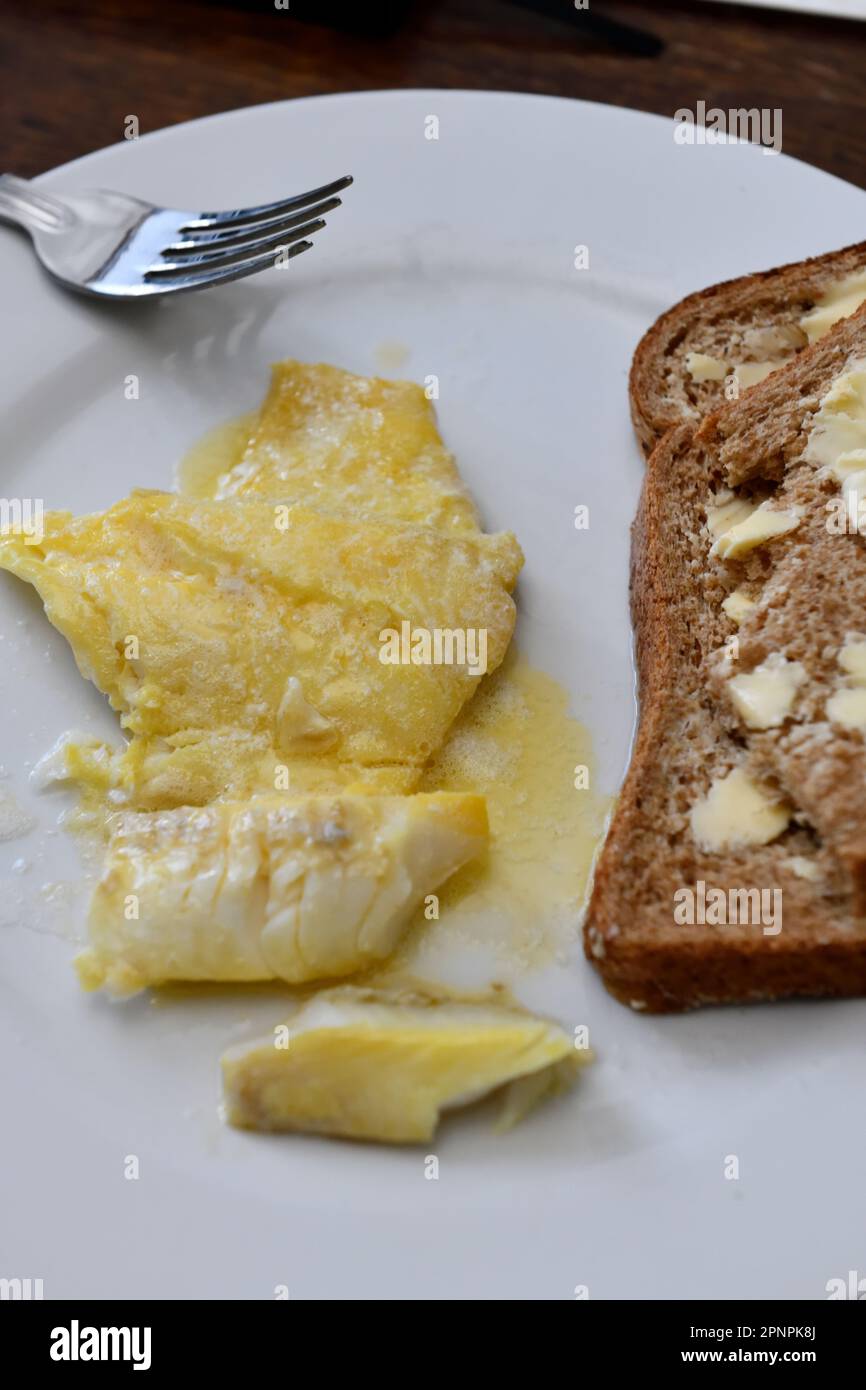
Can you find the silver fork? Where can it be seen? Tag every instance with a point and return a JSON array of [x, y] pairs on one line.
[[118, 247]]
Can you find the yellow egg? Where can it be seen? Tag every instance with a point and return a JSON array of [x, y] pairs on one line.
[[242, 642], [351, 443], [287, 644]]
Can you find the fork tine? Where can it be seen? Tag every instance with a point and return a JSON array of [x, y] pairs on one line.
[[266, 247], [249, 235], [240, 216], [209, 276]]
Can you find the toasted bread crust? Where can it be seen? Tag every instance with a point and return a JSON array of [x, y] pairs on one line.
[[779, 293], [630, 934]]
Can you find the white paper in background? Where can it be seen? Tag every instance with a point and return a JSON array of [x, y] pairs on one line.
[[837, 9]]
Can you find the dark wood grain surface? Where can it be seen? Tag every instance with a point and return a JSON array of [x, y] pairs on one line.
[[73, 71]]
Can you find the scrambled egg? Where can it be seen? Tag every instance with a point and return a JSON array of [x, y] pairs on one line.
[[384, 1064], [241, 639], [359, 444], [269, 831], [291, 888]]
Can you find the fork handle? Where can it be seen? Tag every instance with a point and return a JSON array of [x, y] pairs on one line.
[[20, 203]]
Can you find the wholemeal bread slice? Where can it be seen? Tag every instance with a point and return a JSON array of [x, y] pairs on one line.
[[755, 320], [810, 600], [805, 773]]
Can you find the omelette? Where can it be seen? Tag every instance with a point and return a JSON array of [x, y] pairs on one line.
[[364, 445], [269, 827], [280, 887], [385, 1063], [241, 642]]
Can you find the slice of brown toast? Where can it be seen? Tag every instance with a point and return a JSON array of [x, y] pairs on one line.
[[809, 589], [755, 318]]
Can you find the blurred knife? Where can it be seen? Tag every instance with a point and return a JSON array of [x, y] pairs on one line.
[[589, 22]]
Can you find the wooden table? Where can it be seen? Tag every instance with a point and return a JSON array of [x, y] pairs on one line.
[[74, 71]]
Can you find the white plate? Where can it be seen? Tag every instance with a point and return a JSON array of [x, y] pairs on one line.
[[837, 9], [462, 249]]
